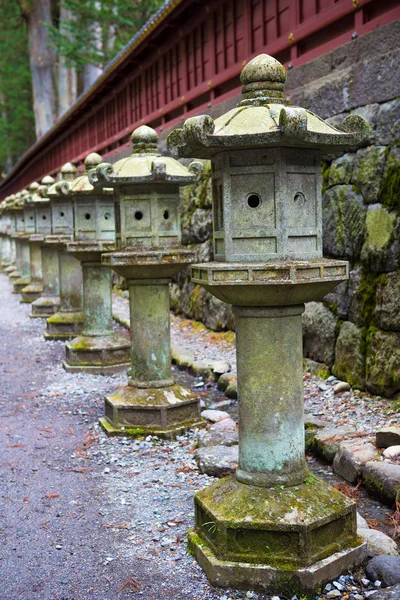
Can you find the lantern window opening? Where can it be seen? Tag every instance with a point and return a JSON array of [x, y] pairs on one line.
[[253, 200]]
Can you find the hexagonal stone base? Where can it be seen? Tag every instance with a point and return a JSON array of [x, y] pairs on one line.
[[19, 284], [11, 270], [253, 536], [103, 354], [165, 412], [303, 582], [31, 292], [64, 326], [45, 307]]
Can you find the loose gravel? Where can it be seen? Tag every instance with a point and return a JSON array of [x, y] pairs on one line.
[[88, 517]]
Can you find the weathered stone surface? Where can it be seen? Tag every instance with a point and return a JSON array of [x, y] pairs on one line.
[[221, 366], [351, 457], [199, 194], [383, 362], [392, 452], [370, 113], [341, 170], [387, 313], [343, 213], [326, 441], [341, 387], [392, 593], [385, 569], [196, 226], [217, 437], [378, 542], [382, 479], [319, 333], [225, 380], [350, 355], [214, 415], [231, 390], [338, 300], [368, 171], [379, 250], [389, 193], [388, 127], [217, 461], [356, 297], [388, 436], [218, 315], [361, 522]]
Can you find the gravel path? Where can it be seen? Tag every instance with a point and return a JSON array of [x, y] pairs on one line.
[[80, 514], [83, 516]]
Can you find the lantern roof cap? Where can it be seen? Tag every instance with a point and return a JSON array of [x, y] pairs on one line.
[[81, 184], [263, 118], [145, 165]]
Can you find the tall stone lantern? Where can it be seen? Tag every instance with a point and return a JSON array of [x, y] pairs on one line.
[[99, 349], [61, 219], [25, 227], [67, 322], [41, 206], [8, 229], [273, 525], [149, 253], [18, 225]]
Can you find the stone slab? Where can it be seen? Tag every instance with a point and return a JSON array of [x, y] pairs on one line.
[[352, 456], [388, 436], [96, 370], [169, 433], [382, 480], [218, 461]]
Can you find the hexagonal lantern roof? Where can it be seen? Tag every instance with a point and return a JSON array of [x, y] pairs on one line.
[[44, 186], [263, 118], [81, 185], [145, 165]]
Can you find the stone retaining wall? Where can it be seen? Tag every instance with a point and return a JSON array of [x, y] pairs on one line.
[[356, 330]]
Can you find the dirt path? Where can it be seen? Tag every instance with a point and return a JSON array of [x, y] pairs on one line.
[[79, 513]]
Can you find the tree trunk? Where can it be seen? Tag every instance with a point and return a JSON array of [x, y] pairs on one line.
[[42, 59], [67, 78], [90, 74]]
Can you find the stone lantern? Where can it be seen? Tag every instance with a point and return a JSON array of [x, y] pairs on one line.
[[149, 253], [16, 229], [41, 205], [98, 349], [8, 229], [273, 525], [25, 227], [67, 322], [61, 219]]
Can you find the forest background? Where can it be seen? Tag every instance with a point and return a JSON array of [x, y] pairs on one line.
[[50, 52]]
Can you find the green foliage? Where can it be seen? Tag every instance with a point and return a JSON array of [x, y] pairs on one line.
[[17, 130], [96, 30]]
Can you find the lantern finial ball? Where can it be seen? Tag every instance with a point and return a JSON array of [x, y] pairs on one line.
[[263, 80], [144, 139], [92, 160], [68, 168], [263, 68], [47, 180]]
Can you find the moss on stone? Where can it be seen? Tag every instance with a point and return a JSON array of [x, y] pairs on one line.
[[389, 193]]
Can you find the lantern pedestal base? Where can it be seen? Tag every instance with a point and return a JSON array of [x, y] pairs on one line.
[[31, 292], [20, 283], [103, 355], [45, 307], [64, 326], [289, 540], [164, 411], [8, 268]]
